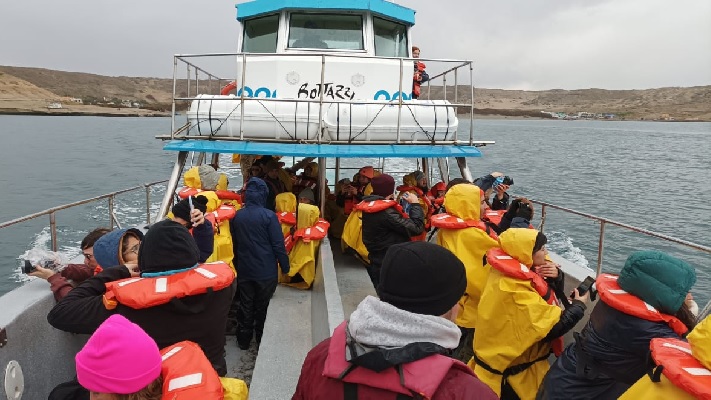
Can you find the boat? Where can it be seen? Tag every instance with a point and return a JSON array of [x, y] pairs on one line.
[[283, 105]]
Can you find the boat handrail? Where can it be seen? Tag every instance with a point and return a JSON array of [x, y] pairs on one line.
[[112, 215], [606, 221]]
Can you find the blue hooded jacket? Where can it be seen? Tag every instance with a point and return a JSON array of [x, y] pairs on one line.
[[108, 247], [257, 237]]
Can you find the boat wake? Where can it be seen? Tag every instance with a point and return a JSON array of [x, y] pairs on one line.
[[562, 244]]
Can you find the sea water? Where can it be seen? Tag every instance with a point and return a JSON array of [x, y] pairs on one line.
[[653, 175]]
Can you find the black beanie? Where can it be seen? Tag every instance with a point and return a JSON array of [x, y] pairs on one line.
[[181, 209], [383, 185], [422, 278], [167, 246]]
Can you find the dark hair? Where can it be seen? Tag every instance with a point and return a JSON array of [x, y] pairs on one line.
[[541, 241], [92, 237], [686, 316], [457, 181]]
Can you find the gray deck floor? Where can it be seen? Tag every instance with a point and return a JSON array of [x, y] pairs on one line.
[[353, 281]]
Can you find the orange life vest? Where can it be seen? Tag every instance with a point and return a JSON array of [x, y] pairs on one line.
[[494, 216], [417, 79], [142, 292], [187, 191], [680, 367], [374, 206], [287, 218], [448, 221], [187, 373], [316, 232], [510, 266], [615, 297], [224, 212]]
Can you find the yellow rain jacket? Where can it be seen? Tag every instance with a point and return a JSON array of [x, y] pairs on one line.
[[285, 202], [302, 258], [234, 389], [512, 320], [700, 342], [469, 245], [353, 234]]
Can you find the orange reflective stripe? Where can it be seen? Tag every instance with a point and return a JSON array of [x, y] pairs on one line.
[[188, 374], [139, 293], [680, 366], [617, 298]]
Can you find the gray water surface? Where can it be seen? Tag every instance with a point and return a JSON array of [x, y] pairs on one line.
[[654, 175]]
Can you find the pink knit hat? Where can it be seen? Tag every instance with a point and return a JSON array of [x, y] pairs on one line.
[[119, 358]]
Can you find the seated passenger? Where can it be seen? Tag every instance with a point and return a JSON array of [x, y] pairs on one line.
[[397, 346], [306, 196], [195, 221], [118, 247], [498, 183], [308, 179], [682, 370], [73, 274], [334, 212], [273, 181], [519, 322], [352, 193], [416, 184], [519, 215], [120, 361], [188, 307], [644, 302], [462, 232], [302, 246], [286, 211]]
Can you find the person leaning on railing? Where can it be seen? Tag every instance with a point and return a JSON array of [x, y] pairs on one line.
[[73, 274]]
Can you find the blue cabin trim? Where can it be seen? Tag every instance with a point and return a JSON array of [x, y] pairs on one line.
[[324, 150], [384, 8]]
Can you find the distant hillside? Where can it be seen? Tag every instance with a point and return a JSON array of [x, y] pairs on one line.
[[32, 88]]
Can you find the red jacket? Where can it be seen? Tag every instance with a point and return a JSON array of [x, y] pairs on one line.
[[456, 383]]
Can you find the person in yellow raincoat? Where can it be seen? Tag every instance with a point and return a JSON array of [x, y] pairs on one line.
[[285, 210], [516, 328], [685, 368], [310, 230], [461, 231]]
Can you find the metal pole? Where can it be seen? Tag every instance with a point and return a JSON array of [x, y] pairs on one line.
[[463, 169], [320, 101], [426, 171], [471, 106], [600, 245], [187, 81], [172, 185], [338, 170], [543, 218], [399, 103], [321, 185], [148, 204], [443, 164], [53, 230], [111, 212], [455, 85], [215, 159], [197, 82], [172, 114], [444, 85], [241, 97]]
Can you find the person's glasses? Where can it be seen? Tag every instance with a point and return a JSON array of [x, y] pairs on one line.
[[88, 256], [134, 248]]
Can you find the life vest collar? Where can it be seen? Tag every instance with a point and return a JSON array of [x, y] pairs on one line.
[[187, 191], [449, 221], [676, 362], [223, 212], [145, 292], [188, 374], [619, 299], [285, 217], [374, 206]]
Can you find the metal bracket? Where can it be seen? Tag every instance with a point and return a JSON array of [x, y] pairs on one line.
[[3, 337]]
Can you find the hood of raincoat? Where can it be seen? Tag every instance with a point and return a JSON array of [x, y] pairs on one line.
[[222, 182], [108, 247], [518, 243], [463, 202], [285, 202], [313, 167], [409, 180], [191, 178], [700, 342], [307, 216], [255, 194]]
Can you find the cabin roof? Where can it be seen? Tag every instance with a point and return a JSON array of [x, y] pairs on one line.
[[381, 7], [324, 150]]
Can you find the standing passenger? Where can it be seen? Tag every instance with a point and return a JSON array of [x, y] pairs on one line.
[[385, 224], [397, 346], [258, 246]]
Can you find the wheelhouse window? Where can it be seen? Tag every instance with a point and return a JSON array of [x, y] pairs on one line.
[[390, 38], [326, 31], [260, 34]]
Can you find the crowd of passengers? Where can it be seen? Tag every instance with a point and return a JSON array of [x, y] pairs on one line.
[[469, 304]]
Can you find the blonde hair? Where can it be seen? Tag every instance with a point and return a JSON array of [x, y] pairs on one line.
[[154, 391]]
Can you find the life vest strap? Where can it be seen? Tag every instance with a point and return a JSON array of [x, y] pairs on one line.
[[510, 371]]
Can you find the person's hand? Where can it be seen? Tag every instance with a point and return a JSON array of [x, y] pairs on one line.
[[133, 269], [500, 190], [584, 298], [411, 198], [42, 272], [548, 270], [196, 217], [352, 190]]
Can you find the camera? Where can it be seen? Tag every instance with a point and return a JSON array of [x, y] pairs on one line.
[[588, 285], [28, 267]]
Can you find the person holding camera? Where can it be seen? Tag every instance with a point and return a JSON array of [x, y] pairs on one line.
[[498, 183], [519, 322], [352, 193], [646, 300], [518, 215]]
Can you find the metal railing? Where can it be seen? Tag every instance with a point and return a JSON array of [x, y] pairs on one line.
[[605, 221], [112, 215], [194, 86]]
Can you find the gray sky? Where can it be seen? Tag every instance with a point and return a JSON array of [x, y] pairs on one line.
[[517, 44]]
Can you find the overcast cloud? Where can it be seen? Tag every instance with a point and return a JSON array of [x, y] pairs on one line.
[[516, 44]]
